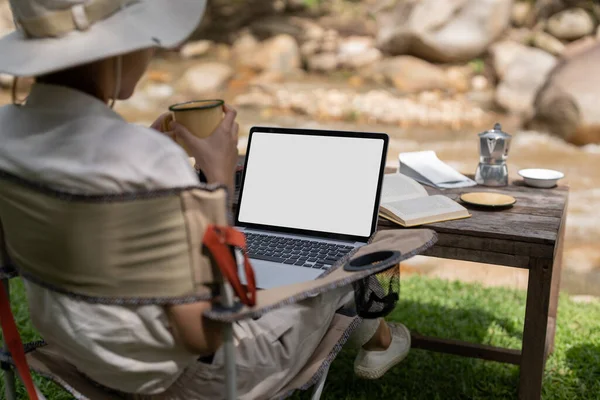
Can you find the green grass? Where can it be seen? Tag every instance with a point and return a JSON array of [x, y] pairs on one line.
[[460, 311]]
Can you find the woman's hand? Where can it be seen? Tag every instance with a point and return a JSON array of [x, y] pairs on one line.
[[215, 155], [158, 125]]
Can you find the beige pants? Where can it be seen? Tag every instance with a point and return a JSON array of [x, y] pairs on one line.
[[271, 350]]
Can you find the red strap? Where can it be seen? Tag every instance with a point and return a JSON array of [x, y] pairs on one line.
[[219, 241], [15, 345]]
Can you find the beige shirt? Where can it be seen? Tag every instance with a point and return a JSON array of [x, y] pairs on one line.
[[74, 142]]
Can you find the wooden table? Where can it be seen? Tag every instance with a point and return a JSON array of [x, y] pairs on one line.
[[528, 235]]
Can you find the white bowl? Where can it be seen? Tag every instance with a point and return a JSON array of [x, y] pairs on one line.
[[541, 178]]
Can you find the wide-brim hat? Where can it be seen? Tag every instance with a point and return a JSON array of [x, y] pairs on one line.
[[53, 35]]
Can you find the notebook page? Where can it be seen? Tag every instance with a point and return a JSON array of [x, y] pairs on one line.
[[424, 207], [400, 187], [436, 171]]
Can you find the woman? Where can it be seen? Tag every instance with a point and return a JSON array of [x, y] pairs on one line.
[[85, 55]]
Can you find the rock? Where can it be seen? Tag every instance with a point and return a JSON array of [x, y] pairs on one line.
[[519, 35], [267, 77], [301, 29], [578, 46], [159, 91], [224, 17], [520, 13], [598, 33], [523, 78], [196, 49], [410, 74], [374, 106], [159, 76], [254, 99], [356, 81], [265, 28], [330, 41], [544, 9], [567, 105], [571, 24], [548, 43], [244, 46], [357, 52], [223, 52], [309, 48], [503, 53], [458, 78], [479, 83], [323, 62], [280, 53], [295, 5], [442, 30], [208, 77]]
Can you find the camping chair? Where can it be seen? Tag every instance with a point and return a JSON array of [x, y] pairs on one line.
[[184, 232]]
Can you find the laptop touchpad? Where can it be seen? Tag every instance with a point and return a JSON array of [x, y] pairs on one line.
[[269, 274]]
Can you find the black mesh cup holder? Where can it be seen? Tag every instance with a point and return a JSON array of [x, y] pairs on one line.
[[369, 260], [376, 295]]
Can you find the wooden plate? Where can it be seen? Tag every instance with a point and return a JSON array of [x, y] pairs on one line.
[[484, 199]]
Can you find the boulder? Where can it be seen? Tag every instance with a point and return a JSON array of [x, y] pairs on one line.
[[567, 105], [524, 76], [547, 42], [309, 48], [519, 35], [280, 53], [410, 74], [479, 83], [578, 46], [196, 48], [503, 53], [323, 62], [357, 52], [520, 13], [571, 24], [277, 25], [458, 78], [244, 46], [223, 18], [442, 30], [208, 77], [301, 29]]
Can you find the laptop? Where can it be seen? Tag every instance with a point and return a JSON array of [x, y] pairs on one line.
[[307, 198]]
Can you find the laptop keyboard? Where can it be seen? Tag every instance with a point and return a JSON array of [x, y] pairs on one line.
[[301, 252]]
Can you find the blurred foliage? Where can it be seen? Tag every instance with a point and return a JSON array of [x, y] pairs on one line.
[[311, 3], [477, 65]]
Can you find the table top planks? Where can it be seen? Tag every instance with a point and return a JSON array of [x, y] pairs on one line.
[[535, 218], [529, 228]]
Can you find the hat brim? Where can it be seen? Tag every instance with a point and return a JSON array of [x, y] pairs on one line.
[[146, 24]]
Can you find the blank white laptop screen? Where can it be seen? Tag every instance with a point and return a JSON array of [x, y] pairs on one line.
[[311, 182]]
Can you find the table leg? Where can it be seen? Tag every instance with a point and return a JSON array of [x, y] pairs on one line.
[[534, 333], [556, 277]]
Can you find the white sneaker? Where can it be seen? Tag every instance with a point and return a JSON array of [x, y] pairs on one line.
[[374, 364]]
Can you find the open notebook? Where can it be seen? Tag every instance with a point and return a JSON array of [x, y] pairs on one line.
[[405, 202], [427, 168]]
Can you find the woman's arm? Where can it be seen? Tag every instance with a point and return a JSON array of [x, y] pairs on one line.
[[217, 157], [195, 333]]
